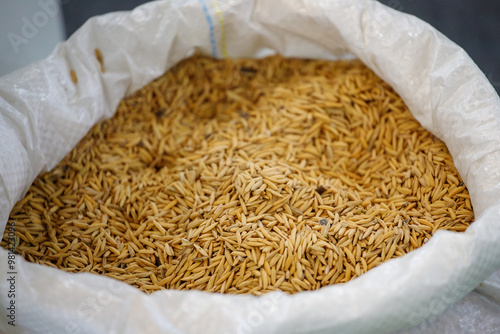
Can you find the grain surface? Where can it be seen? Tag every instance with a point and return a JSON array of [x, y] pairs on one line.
[[245, 176]]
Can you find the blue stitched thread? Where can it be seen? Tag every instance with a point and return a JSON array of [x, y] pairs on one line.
[[211, 25]]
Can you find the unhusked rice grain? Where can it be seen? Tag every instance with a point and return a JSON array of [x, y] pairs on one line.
[[245, 176]]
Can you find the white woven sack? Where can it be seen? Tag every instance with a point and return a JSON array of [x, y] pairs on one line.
[[43, 114]]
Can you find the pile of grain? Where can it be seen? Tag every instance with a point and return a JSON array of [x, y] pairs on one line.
[[245, 176]]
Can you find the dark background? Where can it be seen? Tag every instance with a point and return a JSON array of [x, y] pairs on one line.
[[472, 24]]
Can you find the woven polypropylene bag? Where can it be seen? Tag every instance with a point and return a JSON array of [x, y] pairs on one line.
[[43, 114]]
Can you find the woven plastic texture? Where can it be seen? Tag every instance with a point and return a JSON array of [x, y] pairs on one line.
[[43, 114]]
